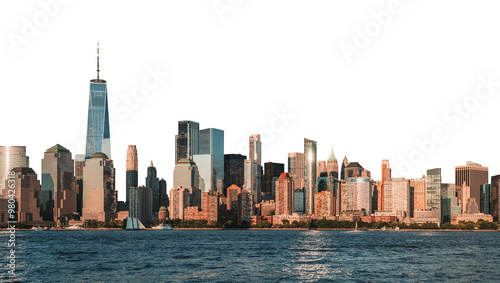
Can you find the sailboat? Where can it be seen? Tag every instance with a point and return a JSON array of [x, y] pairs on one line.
[[134, 224]]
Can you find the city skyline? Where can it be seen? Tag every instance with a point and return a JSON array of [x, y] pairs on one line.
[[376, 88]]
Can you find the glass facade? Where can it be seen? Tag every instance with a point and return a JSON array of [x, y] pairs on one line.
[[485, 198], [299, 201], [434, 190], [98, 136], [210, 160], [187, 140], [310, 174]]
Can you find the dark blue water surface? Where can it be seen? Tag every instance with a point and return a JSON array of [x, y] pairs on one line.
[[253, 255]]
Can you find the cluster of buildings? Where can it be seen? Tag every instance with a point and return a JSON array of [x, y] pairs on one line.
[[211, 185]]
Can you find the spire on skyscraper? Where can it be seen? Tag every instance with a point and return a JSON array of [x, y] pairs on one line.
[[332, 156], [151, 165], [98, 60]]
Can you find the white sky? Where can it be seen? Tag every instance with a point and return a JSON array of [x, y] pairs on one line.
[[235, 72]]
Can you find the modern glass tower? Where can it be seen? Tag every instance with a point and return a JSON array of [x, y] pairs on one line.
[[98, 118], [187, 140], [310, 188], [210, 160]]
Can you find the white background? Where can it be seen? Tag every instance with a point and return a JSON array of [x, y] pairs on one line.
[[233, 72]]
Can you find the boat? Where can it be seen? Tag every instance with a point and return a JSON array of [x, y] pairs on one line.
[[74, 227], [134, 224], [163, 226], [396, 228], [36, 228]]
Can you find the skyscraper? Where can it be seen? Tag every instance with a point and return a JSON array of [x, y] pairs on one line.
[[234, 171], [164, 201], [253, 180], [345, 163], [186, 174], [296, 169], [495, 197], [310, 174], [434, 191], [58, 196], [187, 140], [98, 135], [99, 194], [358, 195], [397, 197], [271, 170], [132, 174], [255, 149], [473, 175], [386, 174], [10, 157], [210, 158], [449, 202], [79, 163], [332, 165], [284, 195], [153, 183]]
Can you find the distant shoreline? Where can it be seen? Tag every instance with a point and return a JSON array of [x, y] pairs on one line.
[[272, 229]]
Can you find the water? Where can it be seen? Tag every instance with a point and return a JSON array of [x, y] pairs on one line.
[[254, 256]]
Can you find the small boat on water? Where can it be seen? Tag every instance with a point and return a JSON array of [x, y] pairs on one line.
[[74, 227], [36, 228], [163, 227]]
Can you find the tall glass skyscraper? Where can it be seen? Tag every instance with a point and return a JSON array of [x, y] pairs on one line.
[[434, 190], [186, 140], [98, 118], [310, 156], [210, 160]]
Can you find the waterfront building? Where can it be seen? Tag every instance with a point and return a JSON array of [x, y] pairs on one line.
[[358, 195], [26, 188], [284, 195], [132, 173], [495, 197], [99, 194], [449, 202], [253, 179], [245, 207], [271, 171], [58, 196], [11, 157], [473, 175], [397, 197], [164, 201], [266, 208], [386, 174], [310, 155], [187, 140], [232, 197], [299, 201], [186, 174], [210, 158], [153, 183], [79, 164], [419, 187], [433, 196], [179, 200], [210, 206], [485, 203], [141, 204], [98, 134], [234, 171], [324, 204]]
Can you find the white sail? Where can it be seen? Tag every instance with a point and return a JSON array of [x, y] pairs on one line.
[[134, 224]]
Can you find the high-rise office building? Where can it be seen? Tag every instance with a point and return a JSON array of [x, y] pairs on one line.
[[449, 202], [434, 191], [26, 187], [253, 179], [234, 171], [10, 157], [324, 204], [187, 140], [98, 135], [321, 169], [345, 163], [210, 159], [495, 197], [296, 164], [332, 165], [141, 204], [472, 175], [179, 200], [255, 149], [245, 208], [485, 203], [132, 173], [164, 201], [397, 197], [419, 193], [358, 195], [386, 174], [284, 195], [310, 155], [299, 201], [99, 194], [271, 170], [79, 164], [153, 183], [186, 174], [58, 196]]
